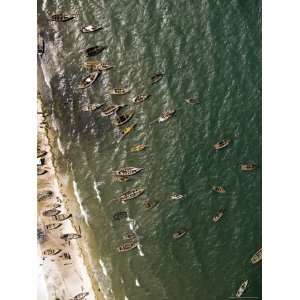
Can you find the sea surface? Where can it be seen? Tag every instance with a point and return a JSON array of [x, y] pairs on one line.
[[209, 49]]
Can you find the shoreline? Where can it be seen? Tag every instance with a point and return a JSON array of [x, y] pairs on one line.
[[62, 277]]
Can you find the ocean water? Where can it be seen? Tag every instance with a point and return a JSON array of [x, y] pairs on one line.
[[209, 49]]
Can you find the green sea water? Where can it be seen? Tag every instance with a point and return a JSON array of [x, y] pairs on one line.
[[206, 48]]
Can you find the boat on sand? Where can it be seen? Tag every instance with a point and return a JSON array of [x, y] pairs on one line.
[[122, 119], [80, 296], [70, 236]]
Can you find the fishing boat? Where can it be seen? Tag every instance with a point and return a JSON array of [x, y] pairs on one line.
[[166, 116], [90, 28], [134, 193], [119, 91], [140, 98], [62, 217], [150, 204], [129, 236], [241, 289], [41, 154], [218, 215], [127, 130], [51, 251], [70, 236], [93, 51], [80, 296], [95, 65], [127, 171], [156, 78], [120, 215], [256, 257], [40, 46], [111, 109], [122, 119], [192, 100], [52, 226], [218, 189], [222, 144], [88, 80], [127, 247], [62, 18], [93, 107], [44, 195], [138, 148], [179, 234], [51, 212], [41, 171], [177, 196], [248, 167]]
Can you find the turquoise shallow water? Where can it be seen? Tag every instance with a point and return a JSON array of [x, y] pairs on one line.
[[209, 49]]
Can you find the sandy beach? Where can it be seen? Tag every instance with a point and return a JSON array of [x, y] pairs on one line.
[[67, 272]]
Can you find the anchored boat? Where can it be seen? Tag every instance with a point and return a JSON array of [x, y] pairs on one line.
[[177, 196], [150, 204], [119, 91], [127, 171], [140, 98], [166, 116], [122, 119], [257, 257], [127, 246], [248, 167], [88, 80], [179, 234], [120, 215], [222, 144], [127, 130], [242, 289], [138, 148], [41, 46], [90, 28], [134, 193], [61, 18], [218, 215], [111, 109], [93, 51], [95, 65], [129, 236], [156, 78], [218, 189]]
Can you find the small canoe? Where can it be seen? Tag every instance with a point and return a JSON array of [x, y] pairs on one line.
[[62, 217], [138, 148], [41, 154], [80, 296], [88, 80], [156, 78], [179, 234], [127, 171], [222, 144], [70, 236], [51, 212], [51, 251], [41, 171], [131, 194], [177, 196], [90, 28], [242, 289], [44, 195], [218, 215], [140, 98], [256, 257], [191, 100], [62, 18], [218, 189], [111, 109], [41, 46], [120, 215], [166, 116], [150, 204], [122, 119], [93, 51], [127, 247], [248, 167], [52, 226], [119, 91], [127, 130]]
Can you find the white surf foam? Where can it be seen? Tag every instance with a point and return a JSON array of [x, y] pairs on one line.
[[77, 196], [137, 283], [97, 192], [60, 147], [103, 267]]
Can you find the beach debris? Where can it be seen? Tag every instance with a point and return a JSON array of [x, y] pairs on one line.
[[127, 171], [176, 196], [218, 215], [51, 251], [156, 78], [222, 144], [257, 257], [248, 167], [218, 189], [70, 236], [179, 233], [166, 116], [131, 194], [51, 212], [242, 289], [120, 215]]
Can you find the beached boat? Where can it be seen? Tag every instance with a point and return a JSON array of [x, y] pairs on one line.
[[62, 217], [111, 109], [138, 148], [218, 189], [127, 171], [134, 193], [241, 289], [52, 226], [256, 257], [119, 91], [70, 236], [150, 204], [44, 195], [129, 236], [248, 167], [120, 215], [179, 234], [192, 100], [156, 78], [166, 116], [41, 171], [127, 130], [140, 98], [218, 215], [177, 196], [222, 144], [51, 212], [88, 80], [90, 28], [122, 119], [127, 247], [40, 46], [80, 296], [51, 251], [41, 154], [61, 17], [93, 51]]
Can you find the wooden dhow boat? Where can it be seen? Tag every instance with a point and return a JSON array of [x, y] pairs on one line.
[[110, 109], [70, 236], [156, 78], [218, 189], [62, 17], [248, 167], [62, 217], [51, 212], [242, 289], [127, 171], [222, 144], [122, 119], [177, 196], [80, 296], [127, 130], [131, 194], [138, 148], [257, 257], [88, 80], [218, 215], [127, 246], [166, 116], [51, 251], [179, 233], [140, 98], [119, 91], [94, 65], [150, 204], [52, 226], [93, 51], [120, 215], [90, 28]]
